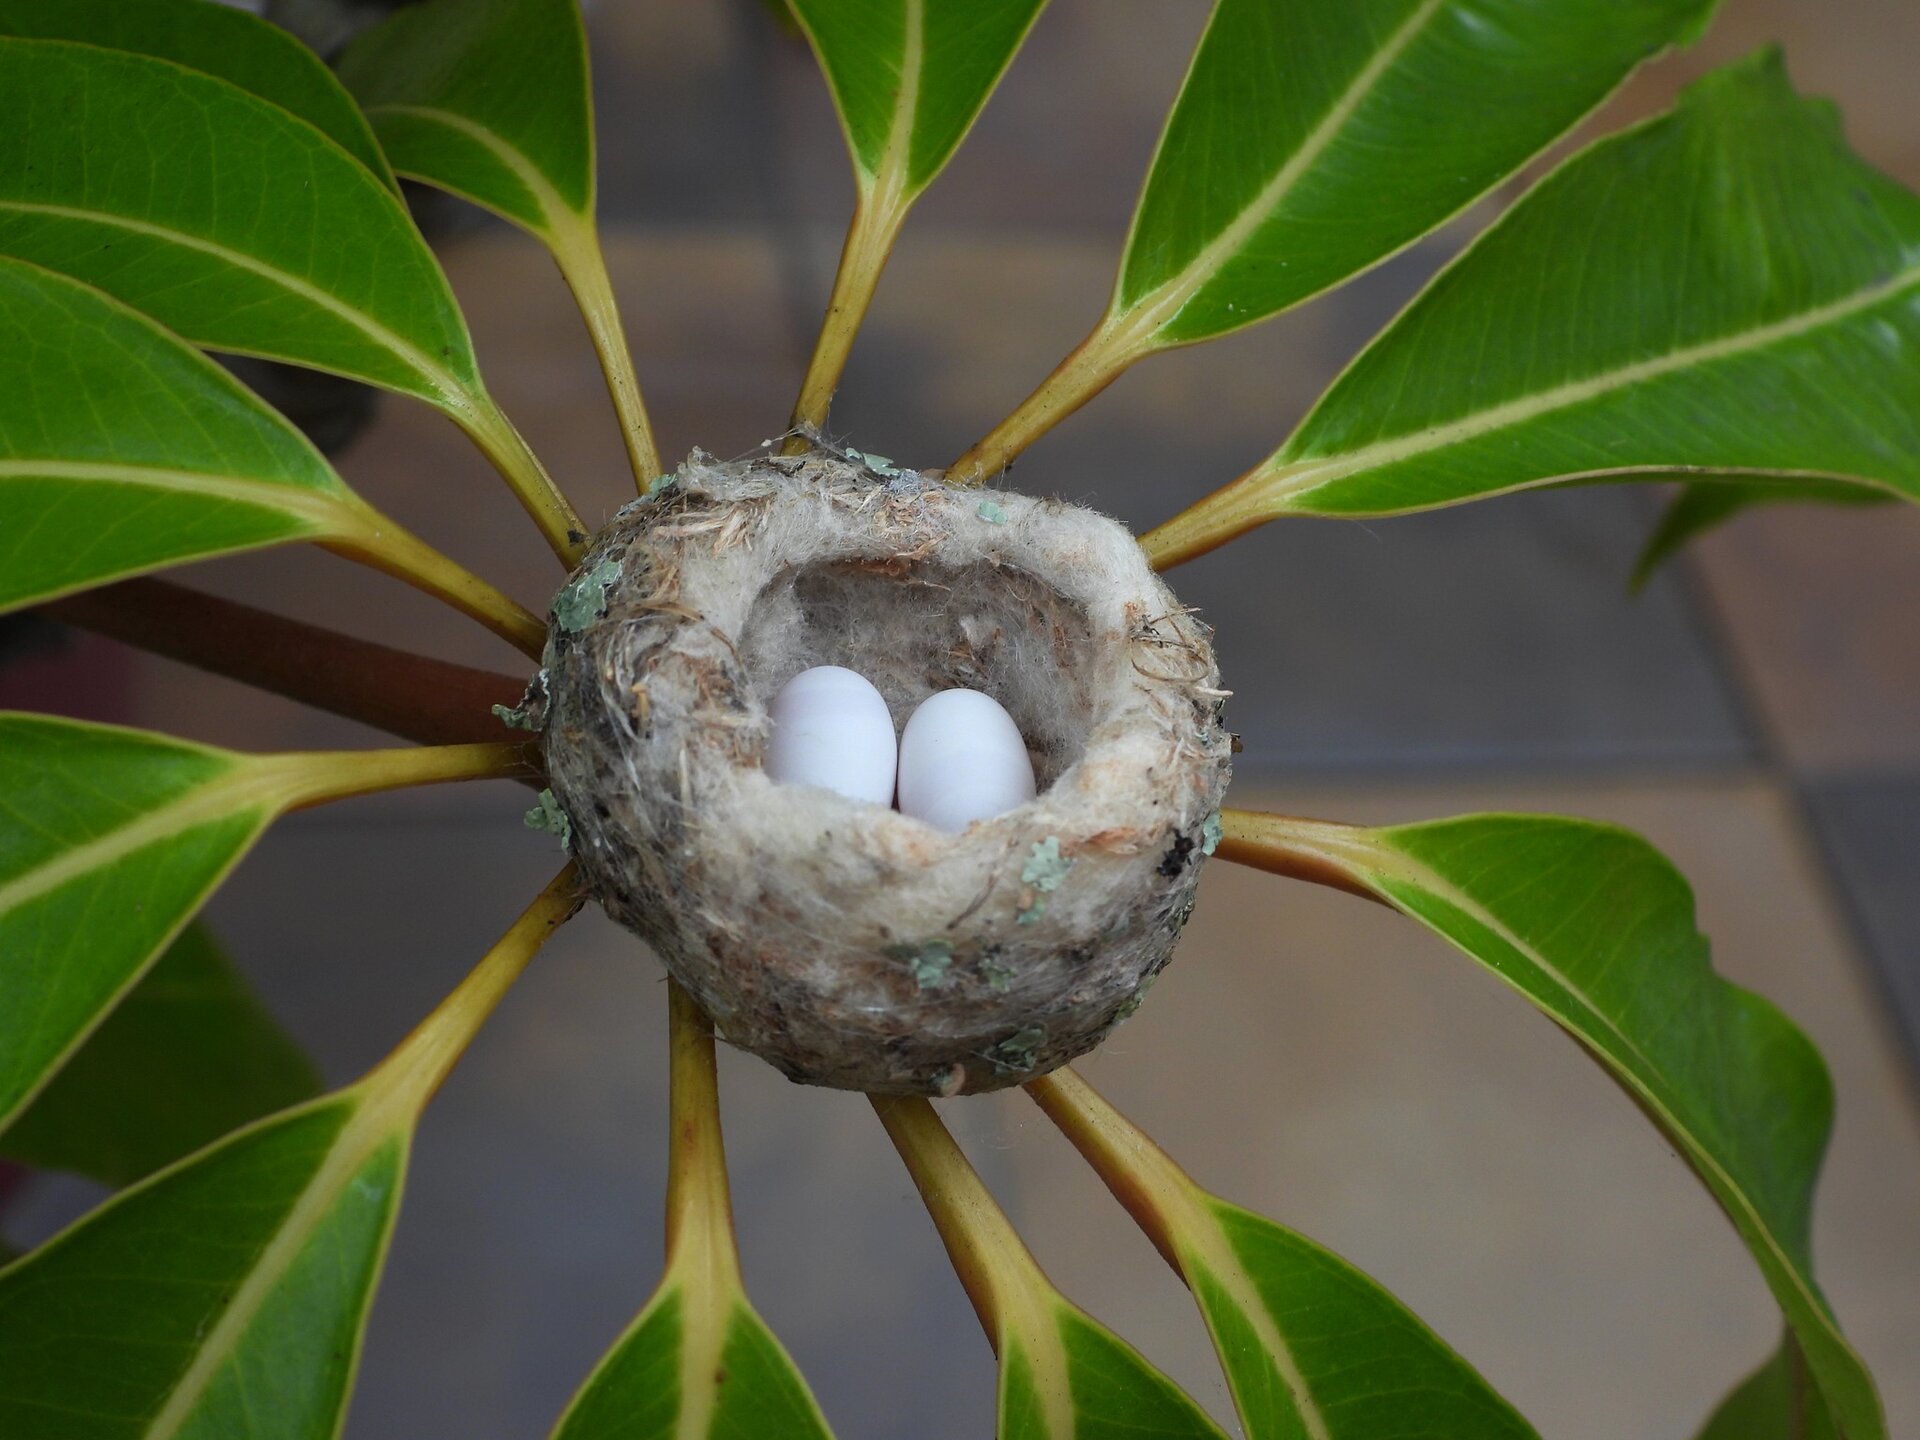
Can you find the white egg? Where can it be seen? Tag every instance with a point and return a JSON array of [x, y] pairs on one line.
[[961, 760], [832, 729]]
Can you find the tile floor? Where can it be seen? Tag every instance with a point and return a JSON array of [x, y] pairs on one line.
[[1756, 712]]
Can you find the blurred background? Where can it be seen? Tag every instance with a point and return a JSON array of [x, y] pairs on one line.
[[1755, 712]]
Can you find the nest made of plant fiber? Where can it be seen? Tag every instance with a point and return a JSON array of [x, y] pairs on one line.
[[846, 943]]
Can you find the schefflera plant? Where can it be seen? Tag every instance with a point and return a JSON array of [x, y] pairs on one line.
[[1722, 296]]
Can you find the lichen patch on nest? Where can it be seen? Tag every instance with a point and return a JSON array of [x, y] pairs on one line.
[[846, 943]]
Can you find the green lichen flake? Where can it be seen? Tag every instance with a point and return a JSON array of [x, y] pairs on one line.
[[547, 816], [991, 513], [1046, 867], [582, 599], [1211, 833], [929, 963], [878, 464], [1016, 1052]]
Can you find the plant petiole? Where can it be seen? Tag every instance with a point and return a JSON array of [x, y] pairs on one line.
[[402, 1083], [575, 246], [372, 539], [507, 449]]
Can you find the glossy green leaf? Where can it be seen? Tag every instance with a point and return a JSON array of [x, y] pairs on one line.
[[223, 217], [909, 77], [697, 1363], [218, 40], [486, 98], [492, 100], [1311, 1347], [1313, 138], [653, 1385], [1776, 1402], [1705, 505], [224, 1296], [188, 1056], [110, 839], [1064, 1376], [1594, 927], [1725, 288], [123, 449]]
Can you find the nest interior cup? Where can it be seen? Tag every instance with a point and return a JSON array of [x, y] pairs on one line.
[[846, 943]]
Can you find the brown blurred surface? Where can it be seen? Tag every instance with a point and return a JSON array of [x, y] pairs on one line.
[[1756, 713]]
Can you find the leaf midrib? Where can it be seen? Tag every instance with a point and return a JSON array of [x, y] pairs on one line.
[[1032, 1321], [896, 153], [436, 377], [1202, 1239], [709, 1286], [1369, 859], [320, 506], [251, 785], [1162, 304], [554, 210], [1284, 482], [366, 1130]]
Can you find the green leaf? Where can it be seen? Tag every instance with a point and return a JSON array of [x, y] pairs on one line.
[[1705, 505], [492, 100], [1776, 1402], [218, 40], [1313, 138], [909, 77], [1311, 1347], [189, 1055], [122, 449], [486, 98], [110, 839], [1064, 1376], [1725, 288], [231, 1287], [696, 1363], [1594, 927], [226, 1295], [223, 217]]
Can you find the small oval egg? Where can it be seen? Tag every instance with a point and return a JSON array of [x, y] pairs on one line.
[[832, 729], [961, 760]]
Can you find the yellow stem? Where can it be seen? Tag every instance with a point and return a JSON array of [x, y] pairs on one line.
[[583, 264], [700, 1237], [1093, 365], [371, 538], [1321, 851], [1207, 524], [317, 777], [870, 236], [1002, 1279], [1156, 1192], [407, 1078], [559, 522]]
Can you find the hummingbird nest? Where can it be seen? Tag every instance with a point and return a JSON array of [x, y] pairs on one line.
[[846, 943]]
